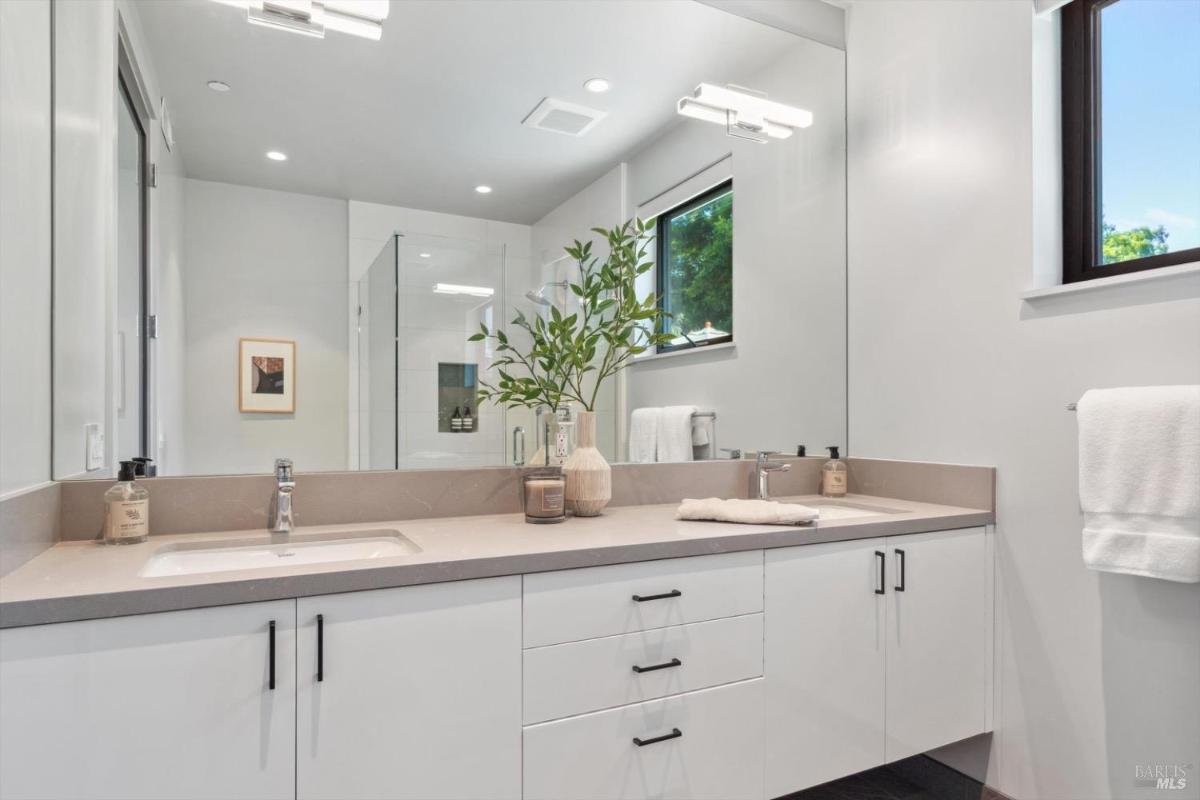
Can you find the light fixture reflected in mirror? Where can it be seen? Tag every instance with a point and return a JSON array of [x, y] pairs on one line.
[[454, 288], [363, 18], [746, 114]]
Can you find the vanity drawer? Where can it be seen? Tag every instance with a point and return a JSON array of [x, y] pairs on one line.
[[566, 679], [577, 604], [714, 750]]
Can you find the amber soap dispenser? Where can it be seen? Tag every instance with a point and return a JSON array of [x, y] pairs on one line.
[[834, 476]]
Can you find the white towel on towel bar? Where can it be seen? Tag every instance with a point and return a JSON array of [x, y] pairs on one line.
[[750, 512], [643, 435], [675, 433], [1139, 481]]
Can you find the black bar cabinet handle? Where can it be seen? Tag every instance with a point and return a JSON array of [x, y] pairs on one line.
[[882, 559], [900, 557], [320, 647], [674, 734], [674, 662], [637, 598], [271, 657]]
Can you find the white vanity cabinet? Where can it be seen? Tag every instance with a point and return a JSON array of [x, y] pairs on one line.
[[644, 680], [875, 650], [182, 704], [413, 692]]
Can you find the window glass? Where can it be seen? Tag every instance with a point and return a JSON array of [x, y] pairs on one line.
[[1149, 136], [696, 269]]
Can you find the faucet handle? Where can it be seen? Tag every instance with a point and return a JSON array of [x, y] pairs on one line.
[[763, 455], [283, 469]]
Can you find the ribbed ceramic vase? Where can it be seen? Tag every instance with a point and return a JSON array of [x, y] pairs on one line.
[[589, 477]]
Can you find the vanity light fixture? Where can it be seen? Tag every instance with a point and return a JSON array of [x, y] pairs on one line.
[[482, 189], [313, 17], [745, 113], [275, 155], [597, 85], [454, 288], [425, 255], [218, 86]]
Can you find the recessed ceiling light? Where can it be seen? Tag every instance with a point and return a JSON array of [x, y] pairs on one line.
[[597, 85], [425, 255], [275, 155], [218, 86], [483, 189]]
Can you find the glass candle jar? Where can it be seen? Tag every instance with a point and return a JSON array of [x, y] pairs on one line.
[[542, 494]]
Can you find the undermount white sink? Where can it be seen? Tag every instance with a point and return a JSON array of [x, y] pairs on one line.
[[295, 550], [838, 509]]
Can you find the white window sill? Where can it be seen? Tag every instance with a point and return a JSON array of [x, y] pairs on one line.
[[1133, 278], [691, 351]]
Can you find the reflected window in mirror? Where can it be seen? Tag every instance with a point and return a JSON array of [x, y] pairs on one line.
[[695, 269]]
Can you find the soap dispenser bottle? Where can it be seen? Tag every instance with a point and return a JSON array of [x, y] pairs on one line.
[[468, 421], [834, 475], [456, 420], [126, 509]]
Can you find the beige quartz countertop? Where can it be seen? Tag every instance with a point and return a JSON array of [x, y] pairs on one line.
[[87, 580]]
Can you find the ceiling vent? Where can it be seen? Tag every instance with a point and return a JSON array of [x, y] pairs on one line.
[[559, 116]]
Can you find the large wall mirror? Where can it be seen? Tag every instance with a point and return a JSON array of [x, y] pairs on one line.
[[278, 223]]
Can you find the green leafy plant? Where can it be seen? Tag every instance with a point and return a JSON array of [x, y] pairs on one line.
[[569, 356], [1134, 243]]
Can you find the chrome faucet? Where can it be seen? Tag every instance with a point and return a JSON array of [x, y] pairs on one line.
[[763, 467], [281, 501]]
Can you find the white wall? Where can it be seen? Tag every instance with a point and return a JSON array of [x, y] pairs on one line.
[[434, 328], [600, 204], [1096, 673], [261, 263], [784, 382], [24, 244], [85, 202]]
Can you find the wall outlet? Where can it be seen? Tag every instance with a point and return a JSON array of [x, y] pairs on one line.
[[93, 447]]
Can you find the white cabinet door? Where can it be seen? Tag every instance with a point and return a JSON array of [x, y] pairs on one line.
[[824, 663], [939, 623], [419, 693], [158, 706]]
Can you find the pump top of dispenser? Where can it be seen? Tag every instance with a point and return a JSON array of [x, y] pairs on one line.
[[128, 471], [833, 451]]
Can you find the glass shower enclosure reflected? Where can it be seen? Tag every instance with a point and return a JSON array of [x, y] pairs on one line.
[[418, 302]]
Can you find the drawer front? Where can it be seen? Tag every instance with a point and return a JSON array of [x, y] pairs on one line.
[[717, 754], [566, 679], [578, 604]]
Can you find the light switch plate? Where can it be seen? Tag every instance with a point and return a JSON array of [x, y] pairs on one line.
[[94, 446]]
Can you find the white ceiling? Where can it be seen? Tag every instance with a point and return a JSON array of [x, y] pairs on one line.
[[435, 108]]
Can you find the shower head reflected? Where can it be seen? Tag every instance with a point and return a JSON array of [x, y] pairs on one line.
[[538, 297]]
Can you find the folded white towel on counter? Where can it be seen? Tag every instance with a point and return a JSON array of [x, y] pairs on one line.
[[643, 435], [675, 433], [750, 512], [1139, 481]]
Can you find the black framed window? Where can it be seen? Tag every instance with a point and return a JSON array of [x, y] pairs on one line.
[[1131, 136], [695, 269]]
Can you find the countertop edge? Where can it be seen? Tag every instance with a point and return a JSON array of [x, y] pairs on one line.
[[42, 611]]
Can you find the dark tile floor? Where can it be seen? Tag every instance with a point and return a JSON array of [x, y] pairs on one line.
[[917, 778]]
